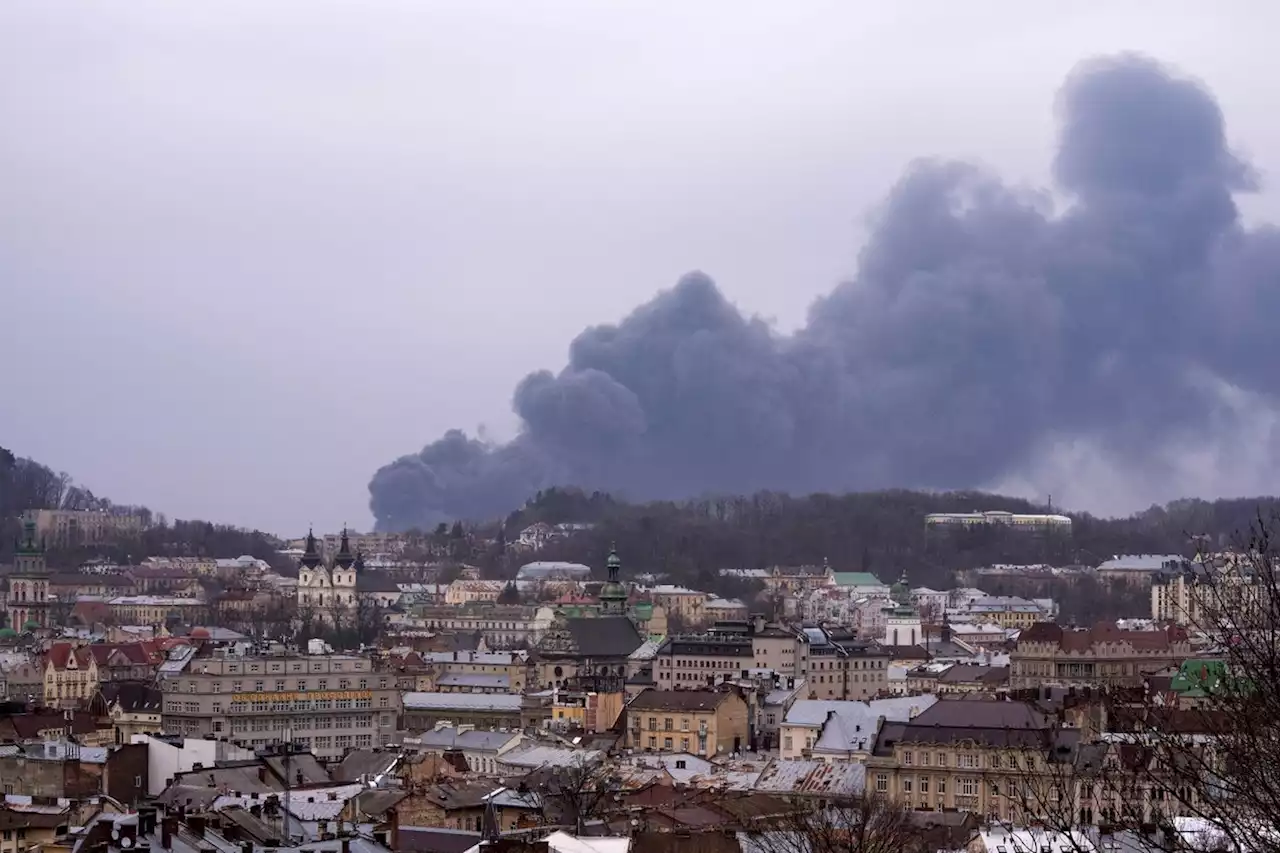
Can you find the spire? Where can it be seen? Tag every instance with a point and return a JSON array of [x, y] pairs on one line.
[[490, 831], [311, 557], [344, 559], [614, 563], [613, 595], [29, 545]]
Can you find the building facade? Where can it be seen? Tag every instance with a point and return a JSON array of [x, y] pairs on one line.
[[700, 722], [1048, 654], [27, 603], [68, 526], [326, 703]]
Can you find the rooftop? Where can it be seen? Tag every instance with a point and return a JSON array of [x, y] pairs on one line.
[[462, 701]]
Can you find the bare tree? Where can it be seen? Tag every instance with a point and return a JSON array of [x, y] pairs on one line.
[[865, 823], [580, 789], [1201, 750]]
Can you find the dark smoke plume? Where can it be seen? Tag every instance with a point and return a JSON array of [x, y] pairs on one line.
[[982, 324]]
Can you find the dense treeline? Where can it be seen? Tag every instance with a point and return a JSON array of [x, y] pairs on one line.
[[880, 532]]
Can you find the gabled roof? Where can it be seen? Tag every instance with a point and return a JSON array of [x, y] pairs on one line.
[[133, 697], [678, 700]]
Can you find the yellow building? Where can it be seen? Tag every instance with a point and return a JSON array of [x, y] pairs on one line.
[[466, 591], [1007, 611], [679, 602], [157, 609], [701, 722], [23, 830], [70, 675]]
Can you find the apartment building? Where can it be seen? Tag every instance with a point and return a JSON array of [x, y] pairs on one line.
[[723, 609], [975, 756], [837, 730], [157, 609], [1013, 763], [1049, 654], [73, 674], [1007, 611], [464, 591], [501, 625], [481, 748], [68, 586], [700, 722], [1209, 594], [779, 648], [1138, 569], [681, 603], [86, 525], [424, 710], [842, 666], [503, 672], [702, 660], [326, 703]]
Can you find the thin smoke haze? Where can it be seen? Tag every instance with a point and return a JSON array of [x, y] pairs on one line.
[[986, 325]]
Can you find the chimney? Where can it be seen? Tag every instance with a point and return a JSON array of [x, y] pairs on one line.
[[393, 816], [167, 827], [246, 847], [262, 774], [346, 844], [196, 823]]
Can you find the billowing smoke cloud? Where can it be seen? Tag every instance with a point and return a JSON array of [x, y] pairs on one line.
[[982, 326]]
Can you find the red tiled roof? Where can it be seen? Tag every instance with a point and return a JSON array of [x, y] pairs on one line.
[[60, 655], [1079, 640]]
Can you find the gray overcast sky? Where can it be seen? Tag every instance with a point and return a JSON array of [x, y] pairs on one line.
[[251, 251]]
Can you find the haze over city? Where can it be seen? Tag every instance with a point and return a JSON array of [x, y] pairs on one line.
[[254, 253]]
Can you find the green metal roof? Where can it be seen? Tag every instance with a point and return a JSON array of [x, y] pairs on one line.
[[857, 579]]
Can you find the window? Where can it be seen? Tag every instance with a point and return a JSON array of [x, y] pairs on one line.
[[666, 743], [969, 786], [668, 725], [942, 759], [942, 785], [882, 782], [653, 724], [906, 785], [257, 686], [968, 759], [907, 758], [995, 761], [786, 742], [653, 743], [924, 759], [924, 784]]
